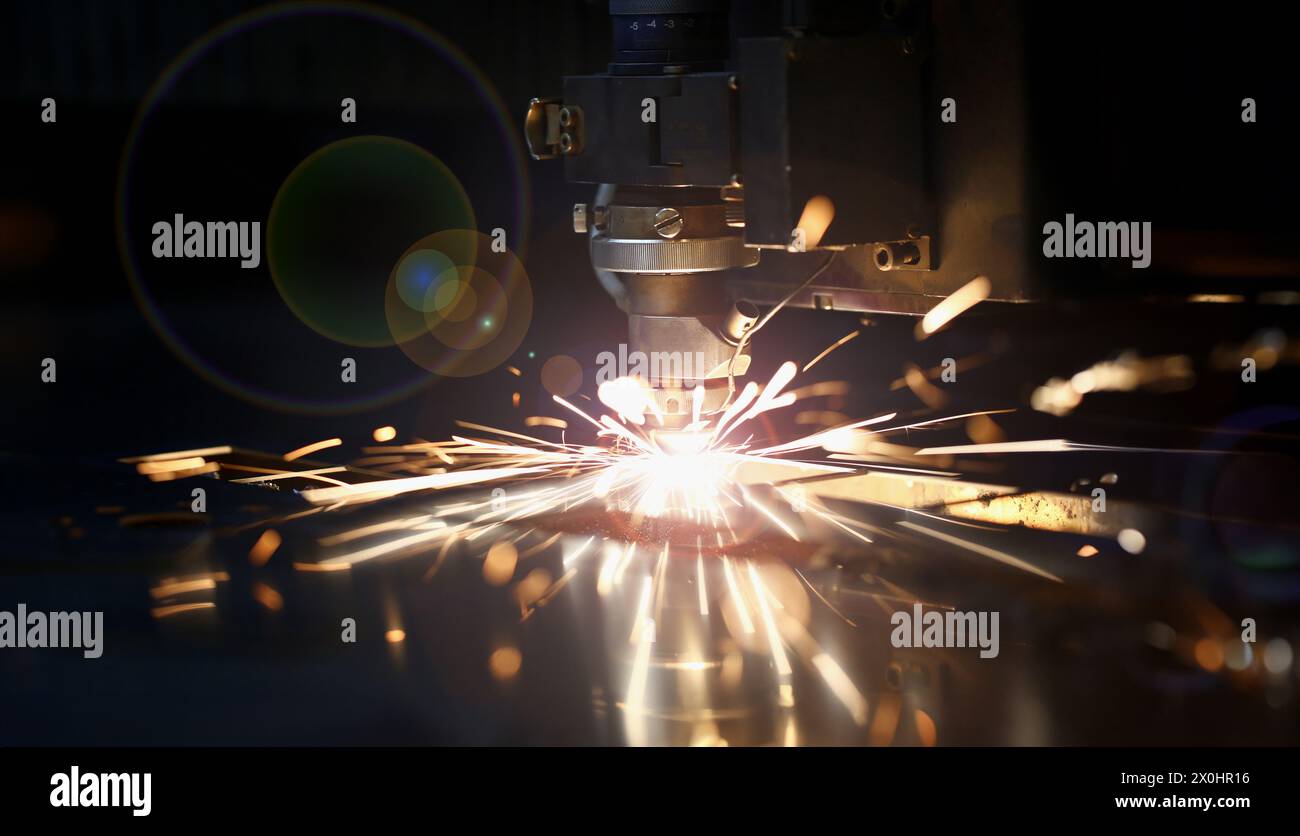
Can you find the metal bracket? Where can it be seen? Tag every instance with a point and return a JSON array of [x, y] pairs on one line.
[[553, 129]]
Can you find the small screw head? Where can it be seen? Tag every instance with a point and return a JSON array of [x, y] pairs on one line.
[[668, 223], [566, 142]]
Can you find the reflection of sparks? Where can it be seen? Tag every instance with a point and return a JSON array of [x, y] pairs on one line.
[[701, 585], [761, 594], [842, 687], [742, 609], [636, 687]]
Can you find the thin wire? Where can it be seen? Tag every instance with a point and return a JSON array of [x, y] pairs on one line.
[[744, 338]]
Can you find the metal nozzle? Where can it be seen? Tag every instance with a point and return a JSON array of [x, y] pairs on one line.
[[667, 248], [740, 319]]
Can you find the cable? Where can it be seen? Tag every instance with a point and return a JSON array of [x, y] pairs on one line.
[[744, 338]]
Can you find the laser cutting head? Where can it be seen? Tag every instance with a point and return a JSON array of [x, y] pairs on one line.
[[707, 139], [666, 251]]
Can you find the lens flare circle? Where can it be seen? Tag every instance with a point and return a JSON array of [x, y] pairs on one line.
[[338, 221], [419, 277], [237, 372], [473, 316]]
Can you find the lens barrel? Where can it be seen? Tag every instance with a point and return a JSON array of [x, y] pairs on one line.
[[653, 37]]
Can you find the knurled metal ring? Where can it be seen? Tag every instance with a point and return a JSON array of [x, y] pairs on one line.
[[692, 255]]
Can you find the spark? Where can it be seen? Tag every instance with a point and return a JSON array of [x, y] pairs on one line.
[[1052, 445], [956, 303], [816, 217], [767, 512], [268, 597], [369, 491], [177, 609], [174, 588], [570, 559], [723, 474], [385, 548], [308, 449], [1171, 372], [318, 474], [265, 546], [822, 598], [398, 524], [321, 567], [826, 351], [540, 547], [149, 468], [550, 592], [204, 452], [1000, 556], [437, 561], [834, 520]]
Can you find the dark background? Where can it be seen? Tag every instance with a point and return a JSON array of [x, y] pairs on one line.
[[65, 292]]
